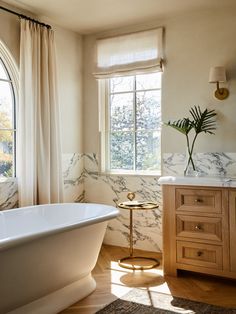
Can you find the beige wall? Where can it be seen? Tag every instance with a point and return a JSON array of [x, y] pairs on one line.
[[69, 60], [10, 33], [193, 43]]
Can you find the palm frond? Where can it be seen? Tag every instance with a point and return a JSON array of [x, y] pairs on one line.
[[182, 125], [203, 121], [200, 121]]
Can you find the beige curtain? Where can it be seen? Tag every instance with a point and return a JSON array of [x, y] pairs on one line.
[[38, 144]]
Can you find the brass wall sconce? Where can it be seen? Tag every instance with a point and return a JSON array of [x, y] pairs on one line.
[[217, 75]]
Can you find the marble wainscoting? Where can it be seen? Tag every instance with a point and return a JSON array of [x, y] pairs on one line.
[[207, 164], [8, 193], [73, 176], [108, 189]]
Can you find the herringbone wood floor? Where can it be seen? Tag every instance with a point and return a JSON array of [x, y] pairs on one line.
[[114, 281]]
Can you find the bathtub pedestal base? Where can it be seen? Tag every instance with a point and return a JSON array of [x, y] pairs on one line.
[[60, 299]]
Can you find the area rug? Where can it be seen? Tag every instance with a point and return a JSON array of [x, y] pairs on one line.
[[139, 301]]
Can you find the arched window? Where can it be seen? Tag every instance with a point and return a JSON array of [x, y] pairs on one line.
[[8, 96]]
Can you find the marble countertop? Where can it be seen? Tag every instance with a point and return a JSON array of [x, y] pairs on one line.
[[198, 181]]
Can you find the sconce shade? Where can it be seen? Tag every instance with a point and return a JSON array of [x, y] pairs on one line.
[[217, 74]]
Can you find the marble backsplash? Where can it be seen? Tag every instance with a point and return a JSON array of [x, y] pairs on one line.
[[81, 173], [207, 164]]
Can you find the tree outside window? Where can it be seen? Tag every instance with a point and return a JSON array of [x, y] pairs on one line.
[[7, 123], [133, 123]]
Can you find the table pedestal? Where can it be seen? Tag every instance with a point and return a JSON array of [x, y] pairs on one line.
[[121, 262]]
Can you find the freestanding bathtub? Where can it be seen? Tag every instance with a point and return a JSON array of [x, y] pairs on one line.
[[47, 253]]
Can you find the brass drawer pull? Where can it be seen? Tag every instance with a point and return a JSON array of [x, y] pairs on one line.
[[198, 200], [198, 227], [199, 253]]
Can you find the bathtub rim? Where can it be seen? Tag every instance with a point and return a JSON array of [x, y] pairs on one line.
[[14, 241]]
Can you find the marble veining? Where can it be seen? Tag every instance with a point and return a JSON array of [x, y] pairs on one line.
[[108, 189], [8, 194], [207, 164], [84, 182], [73, 175]]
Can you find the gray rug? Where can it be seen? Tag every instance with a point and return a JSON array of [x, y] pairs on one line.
[[160, 303]]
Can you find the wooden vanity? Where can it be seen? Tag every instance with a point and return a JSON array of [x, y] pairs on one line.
[[199, 226]]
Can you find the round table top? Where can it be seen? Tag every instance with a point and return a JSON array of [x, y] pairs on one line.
[[138, 205]]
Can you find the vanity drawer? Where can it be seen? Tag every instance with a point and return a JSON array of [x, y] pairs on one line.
[[206, 228], [197, 200], [199, 254]]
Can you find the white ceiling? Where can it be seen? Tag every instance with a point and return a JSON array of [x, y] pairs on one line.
[[91, 16]]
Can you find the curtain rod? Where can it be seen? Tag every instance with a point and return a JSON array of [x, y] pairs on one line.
[[22, 16]]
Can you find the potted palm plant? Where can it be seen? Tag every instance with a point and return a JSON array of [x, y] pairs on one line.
[[200, 121]]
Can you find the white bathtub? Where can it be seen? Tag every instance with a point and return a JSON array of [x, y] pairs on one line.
[[47, 253]]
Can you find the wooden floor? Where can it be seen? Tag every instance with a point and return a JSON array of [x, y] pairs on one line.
[[114, 282]]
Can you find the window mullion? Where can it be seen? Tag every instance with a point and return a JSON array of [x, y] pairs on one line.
[[108, 127], [138, 90], [5, 80], [135, 124]]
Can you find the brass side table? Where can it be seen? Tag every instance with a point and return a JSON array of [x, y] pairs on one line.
[[136, 205]]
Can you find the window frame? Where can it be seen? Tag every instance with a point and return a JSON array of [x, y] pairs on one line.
[[104, 127], [11, 69]]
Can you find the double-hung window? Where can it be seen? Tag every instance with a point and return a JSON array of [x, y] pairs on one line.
[[133, 118], [7, 118], [129, 72]]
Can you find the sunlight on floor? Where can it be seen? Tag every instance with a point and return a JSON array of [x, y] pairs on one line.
[[124, 280]]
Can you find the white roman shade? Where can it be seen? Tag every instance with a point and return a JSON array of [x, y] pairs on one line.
[[129, 54]]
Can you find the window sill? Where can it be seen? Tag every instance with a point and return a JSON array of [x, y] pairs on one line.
[[131, 174]]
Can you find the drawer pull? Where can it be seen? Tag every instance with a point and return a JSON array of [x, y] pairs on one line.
[[198, 227], [199, 253], [198, 200]]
